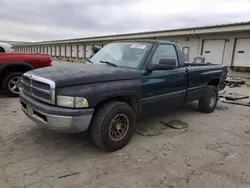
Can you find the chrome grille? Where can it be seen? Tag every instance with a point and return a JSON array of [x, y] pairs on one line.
[[39, 88], [41, 85]]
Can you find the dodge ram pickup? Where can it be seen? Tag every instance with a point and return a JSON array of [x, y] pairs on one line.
[[13, 65], [109, 92]]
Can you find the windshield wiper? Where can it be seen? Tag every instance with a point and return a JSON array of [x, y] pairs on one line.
[[109, 63], [86, 59]]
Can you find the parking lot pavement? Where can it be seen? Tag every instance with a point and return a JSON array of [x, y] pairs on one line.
[[213, 152]]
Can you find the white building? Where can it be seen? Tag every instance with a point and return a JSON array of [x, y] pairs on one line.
[[227, 44]]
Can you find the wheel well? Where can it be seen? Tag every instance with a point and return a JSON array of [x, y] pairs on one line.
[[214, 82], [132, 101], [2, 50], [13, 68]]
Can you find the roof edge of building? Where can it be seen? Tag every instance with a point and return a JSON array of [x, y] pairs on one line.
[[241, 26]]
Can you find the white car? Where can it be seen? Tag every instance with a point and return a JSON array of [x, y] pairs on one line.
[[5, 48]]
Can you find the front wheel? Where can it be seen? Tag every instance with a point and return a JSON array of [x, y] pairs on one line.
[[209, 101], [11, 84], [113, 126]]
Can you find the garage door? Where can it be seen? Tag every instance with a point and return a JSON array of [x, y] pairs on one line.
[[68, 51], [213, 51], [53, 51], [62, 51], [81, 51], [88, 50], [49, 50], [45, 49], [57, 51], [242, 53], [74, 50]]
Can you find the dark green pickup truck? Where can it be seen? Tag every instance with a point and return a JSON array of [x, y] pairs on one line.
[[120, 82]]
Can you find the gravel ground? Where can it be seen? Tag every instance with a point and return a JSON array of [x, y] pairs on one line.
[[213, 152]]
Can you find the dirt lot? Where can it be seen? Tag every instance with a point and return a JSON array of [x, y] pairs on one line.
[[213, 152]]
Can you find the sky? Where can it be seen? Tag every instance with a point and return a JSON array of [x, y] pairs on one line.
[[42, 20]]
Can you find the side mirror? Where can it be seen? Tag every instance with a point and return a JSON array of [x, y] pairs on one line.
[[164, 64]]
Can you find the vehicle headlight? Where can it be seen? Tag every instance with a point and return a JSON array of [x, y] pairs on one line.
[[72, 102]]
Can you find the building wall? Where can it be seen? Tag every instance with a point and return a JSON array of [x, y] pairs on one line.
[[229, 46], [194, 42], [185, 41]]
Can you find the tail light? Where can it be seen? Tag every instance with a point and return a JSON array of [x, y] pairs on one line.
[[50, 61]]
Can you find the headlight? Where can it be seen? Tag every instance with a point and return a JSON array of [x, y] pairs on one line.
[[72, 102], [81, 102]]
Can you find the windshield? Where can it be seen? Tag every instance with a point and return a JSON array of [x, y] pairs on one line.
[[122, 54]]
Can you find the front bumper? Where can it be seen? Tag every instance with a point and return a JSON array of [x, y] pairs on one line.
[[56, 118]]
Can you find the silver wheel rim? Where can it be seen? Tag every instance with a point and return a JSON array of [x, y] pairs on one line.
[[212, 100], [118, 127], [14, 84]]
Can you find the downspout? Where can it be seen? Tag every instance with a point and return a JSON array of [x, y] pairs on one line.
[[193, 34]]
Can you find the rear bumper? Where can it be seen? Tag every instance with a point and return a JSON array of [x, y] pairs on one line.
[[222, 83], [221, 86], [56, 118]]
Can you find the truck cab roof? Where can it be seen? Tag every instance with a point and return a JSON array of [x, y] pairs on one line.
[[151, 41]]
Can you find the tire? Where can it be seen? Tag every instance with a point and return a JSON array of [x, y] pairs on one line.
[[2, 50], [209, 101], [102, 131], [6, 82]]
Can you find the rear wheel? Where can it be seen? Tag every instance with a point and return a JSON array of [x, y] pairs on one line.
[[209, 101], [11, 84], [113, 126]]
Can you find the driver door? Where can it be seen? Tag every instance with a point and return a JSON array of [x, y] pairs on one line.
[[164, 88]]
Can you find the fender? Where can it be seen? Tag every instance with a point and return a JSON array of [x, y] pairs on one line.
[[15, 64], [99, 92], [134, 99]]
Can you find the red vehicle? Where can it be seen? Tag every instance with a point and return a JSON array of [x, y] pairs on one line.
[[13, 65]]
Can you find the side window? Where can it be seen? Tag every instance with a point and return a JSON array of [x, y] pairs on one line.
[[166, 51]]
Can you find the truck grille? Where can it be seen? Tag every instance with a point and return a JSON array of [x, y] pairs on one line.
[[39, 88]]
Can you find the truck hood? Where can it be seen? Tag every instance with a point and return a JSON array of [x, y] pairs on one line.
[[74, 74]]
